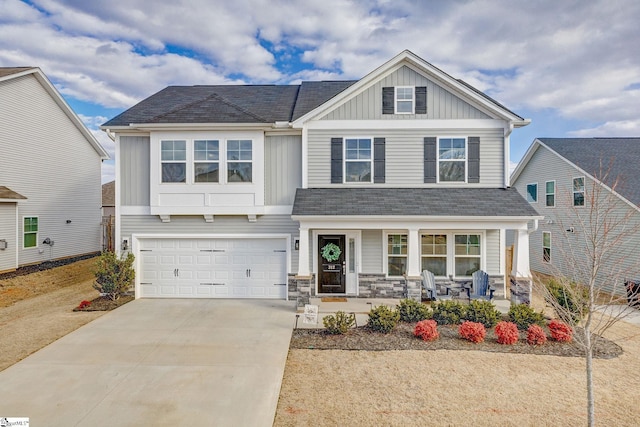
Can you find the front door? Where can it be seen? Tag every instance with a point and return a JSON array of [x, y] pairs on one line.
[[331, 264]]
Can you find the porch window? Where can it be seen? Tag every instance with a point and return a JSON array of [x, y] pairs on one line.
[[452, 159], [174, 161], [404, 100], [467, 254], [550, 187], [532, 193], [30, 231], [358, 160], [434, 253], [239, 160], [546, 246], [206, 154], [578, 191], [396, 254]]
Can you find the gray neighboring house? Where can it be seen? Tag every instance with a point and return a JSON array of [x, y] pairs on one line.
[[326, 188], [49, 174], [553, 176]]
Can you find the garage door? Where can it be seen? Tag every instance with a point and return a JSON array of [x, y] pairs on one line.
[[213, 268]]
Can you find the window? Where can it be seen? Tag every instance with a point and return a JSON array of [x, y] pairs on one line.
[[434, 253], [467, 254], [546, 246], [452, 159], [551, 193], [206, 155], [404, 100], [174, 161], [357, 160], [239, 161], [532, 193], [578, 191], [30, 230], [396, 254]]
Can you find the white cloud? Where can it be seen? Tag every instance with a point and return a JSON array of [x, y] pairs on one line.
[[611, 129]]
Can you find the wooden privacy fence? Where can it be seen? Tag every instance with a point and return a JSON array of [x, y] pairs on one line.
[[108, 233]]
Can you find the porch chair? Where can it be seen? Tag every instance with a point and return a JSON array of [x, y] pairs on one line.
[[429, 285], [480, 286]]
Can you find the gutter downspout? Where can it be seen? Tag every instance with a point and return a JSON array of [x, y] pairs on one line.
[[110, 134]]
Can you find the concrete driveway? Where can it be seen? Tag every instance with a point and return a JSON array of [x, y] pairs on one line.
[[158, 362]]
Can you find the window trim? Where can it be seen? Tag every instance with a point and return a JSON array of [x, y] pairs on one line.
[[385, 243], [465, 160], [227, 161], [544, 258], [37, 232], [185, 162], [396, 100], [527, 192], [547, 194], [345, 160], [481, 238], [194, 161], [574, 192]]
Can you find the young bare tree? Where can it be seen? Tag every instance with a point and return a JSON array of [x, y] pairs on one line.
[[592, 259]]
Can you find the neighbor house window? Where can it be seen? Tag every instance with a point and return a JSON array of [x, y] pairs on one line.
[[550, 187], [30, 230], [532, 193], [239, 160], [174, 161], [357, 160], [404, 100], [206, 156], [467, 254], [396, 254], [434, 253], [546, 246], [452, 159], [578, 191]]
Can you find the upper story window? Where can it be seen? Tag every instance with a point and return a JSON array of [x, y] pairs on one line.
[[578, 191], [239, 160], [532, 193], [546, 246], [30, 232], [452, 159], [550, 192], [206, 165], [174, 161], [404, 100], [358, 160]]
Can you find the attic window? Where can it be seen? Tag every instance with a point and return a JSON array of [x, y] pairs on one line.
[[404, 100]]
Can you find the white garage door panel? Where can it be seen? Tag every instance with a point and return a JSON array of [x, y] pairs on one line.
[[213, 268]]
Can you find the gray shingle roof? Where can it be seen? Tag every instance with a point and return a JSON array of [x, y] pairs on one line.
[[491, 202], [109, 194], [7, 193], [7, 71], [620, 154], [314, 94]]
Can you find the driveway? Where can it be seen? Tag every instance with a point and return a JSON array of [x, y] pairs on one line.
[[159, 362]]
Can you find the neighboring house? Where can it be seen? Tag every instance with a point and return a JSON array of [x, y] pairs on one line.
[[556, 176], [49, 174], [345, 188], [108, 216]]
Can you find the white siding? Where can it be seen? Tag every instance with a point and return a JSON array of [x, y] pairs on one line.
[[494, 252], [372, 251], [283, 169], [441, 104], [134, 170], [46, 159], [8, 233]]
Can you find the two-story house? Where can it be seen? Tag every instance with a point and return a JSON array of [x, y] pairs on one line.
[[347, 188]]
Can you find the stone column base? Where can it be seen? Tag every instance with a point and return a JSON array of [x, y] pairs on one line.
[[520, 290]]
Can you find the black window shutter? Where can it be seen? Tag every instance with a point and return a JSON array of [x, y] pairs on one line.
[[473, 159], [430, 160], [421, 100], [336, 160], [388, 95], [378, 160]]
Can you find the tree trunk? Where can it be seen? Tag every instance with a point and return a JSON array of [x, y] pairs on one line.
[[591, 412]]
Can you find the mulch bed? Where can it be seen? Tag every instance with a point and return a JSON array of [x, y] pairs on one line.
[[105, 303], [402, 338]]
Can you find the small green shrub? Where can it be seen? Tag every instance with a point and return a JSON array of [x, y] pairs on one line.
[[413, 311], [571, 297], [114, 276], [448, 312], [482, 312], [383, 319], [340, 323], [524, 316]]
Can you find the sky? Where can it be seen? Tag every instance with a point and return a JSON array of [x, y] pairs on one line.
[[571, 66]]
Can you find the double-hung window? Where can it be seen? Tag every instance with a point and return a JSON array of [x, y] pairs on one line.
[[550, 191], [358, 160], [404, 99], [206, 165], [239, 160], [434, 253], [578, 191], [467, 254], [532, 193], [30, 232], [452, 159], [546, 246], [174, 161], [396, 254]]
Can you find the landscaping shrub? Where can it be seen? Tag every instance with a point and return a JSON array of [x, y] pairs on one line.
[[340, 323], [427, 330], [566, 298], [114, 276], [448, 312], [84, 304], [536, 335], [560, 331], [507, 333], [472, 331], [524, 316], [383, 319], [413, 311], [482, 312]]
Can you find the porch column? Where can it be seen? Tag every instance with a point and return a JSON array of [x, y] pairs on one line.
[[520, 267], [413, 261], [303, 252]]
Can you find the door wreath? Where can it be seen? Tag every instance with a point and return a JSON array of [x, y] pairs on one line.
[[331, 252]]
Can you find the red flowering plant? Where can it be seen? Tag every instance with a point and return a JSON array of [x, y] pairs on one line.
[[472, 331], [84, 304], [536, 335], [507, 333], [427, 330], [560, 331]]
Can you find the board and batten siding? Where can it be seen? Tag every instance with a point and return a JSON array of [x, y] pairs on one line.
[[222, 224], [441, 104], [494, 252], [283, 168], [8, 233], [134, 170], [47, 159], [371, 251], [405, 155]]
